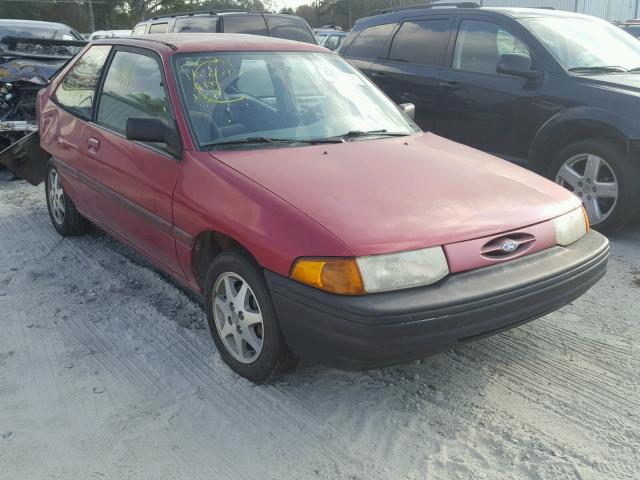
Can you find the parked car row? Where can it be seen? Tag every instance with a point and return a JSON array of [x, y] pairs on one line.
[[311, 211], [554, 91]]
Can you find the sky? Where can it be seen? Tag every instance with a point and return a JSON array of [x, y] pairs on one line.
[[291, 3]]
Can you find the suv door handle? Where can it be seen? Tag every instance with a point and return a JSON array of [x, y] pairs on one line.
[[93, 143], [450, 85], [377, 74]]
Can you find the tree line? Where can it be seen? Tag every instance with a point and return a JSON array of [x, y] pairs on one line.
[[90, 15]]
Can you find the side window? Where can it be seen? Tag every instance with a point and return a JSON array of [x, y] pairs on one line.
[[370, 41], [333, 42], [254, 79], [480, 44], [77, 91], [132, 88], [253, 24], [196, 24], [138, 30], [158, 28], [290, 28], [422, 42]]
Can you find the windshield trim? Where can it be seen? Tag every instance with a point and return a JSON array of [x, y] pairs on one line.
[[413, 128]]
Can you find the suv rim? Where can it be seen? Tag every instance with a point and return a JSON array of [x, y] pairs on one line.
[[238, 317], [56, 197], [593, 180]]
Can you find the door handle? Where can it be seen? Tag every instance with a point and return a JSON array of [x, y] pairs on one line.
[[377, 74], [93, 143], [450, 85]]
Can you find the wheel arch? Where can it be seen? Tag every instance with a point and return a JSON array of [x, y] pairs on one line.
[[573, 125], [207, 245]]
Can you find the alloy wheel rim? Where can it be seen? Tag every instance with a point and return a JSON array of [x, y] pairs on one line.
[[593, 180], [56, 197], [238, 317]]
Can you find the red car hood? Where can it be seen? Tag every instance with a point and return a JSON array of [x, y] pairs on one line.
[[403, 193]]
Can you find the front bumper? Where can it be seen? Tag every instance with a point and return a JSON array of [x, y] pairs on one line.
[[386, 328]]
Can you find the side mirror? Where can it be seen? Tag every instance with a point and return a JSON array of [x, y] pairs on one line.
[[155, 130], [518, 65], [409, 109]]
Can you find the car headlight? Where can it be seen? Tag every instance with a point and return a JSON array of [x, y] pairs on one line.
[[375, 273], [571, 226]]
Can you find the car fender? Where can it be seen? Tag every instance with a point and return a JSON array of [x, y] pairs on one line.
[[576, 123]]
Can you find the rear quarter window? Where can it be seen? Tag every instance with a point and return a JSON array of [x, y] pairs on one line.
[[369, 42], [77, 90], [138, 30], [196, 25], [252, 24], [158, 28], [290, 28]]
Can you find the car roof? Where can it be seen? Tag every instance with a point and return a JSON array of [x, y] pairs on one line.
[[206, 42], [395, 14]]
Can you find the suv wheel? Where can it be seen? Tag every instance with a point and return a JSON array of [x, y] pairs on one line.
[[242, 320], [62, 211], [599, 172]]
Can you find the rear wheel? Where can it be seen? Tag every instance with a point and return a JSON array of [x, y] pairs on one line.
[[600, 173], [242, 319], [62, 211]]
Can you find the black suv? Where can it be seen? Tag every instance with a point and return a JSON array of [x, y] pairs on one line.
[[555, 91], [289, 27]]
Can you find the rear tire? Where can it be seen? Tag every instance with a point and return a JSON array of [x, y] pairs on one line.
[[242, 319], [602, 175], [62, 211]]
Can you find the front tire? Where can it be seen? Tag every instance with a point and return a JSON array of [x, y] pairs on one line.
[[62, 211], [242, 319], [601, 174]]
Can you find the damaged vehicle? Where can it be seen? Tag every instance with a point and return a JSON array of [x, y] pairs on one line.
[[30, 55], [314, 217]]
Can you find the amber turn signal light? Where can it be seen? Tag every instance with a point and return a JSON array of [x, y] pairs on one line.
[[335, 275]]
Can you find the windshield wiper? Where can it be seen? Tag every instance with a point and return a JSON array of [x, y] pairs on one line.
[[371, 133], [248, 140], [599, 68]]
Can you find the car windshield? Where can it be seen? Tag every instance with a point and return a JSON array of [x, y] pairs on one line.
[[584, 43], [258, 98]]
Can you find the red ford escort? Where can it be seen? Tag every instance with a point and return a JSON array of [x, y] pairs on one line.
[[316, 219]]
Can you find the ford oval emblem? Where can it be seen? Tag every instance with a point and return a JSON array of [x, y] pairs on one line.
[[509, 246]]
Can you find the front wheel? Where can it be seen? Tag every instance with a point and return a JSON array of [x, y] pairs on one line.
[[242, 319], [601, 174]]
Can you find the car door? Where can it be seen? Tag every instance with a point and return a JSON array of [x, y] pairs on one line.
[[367, 46], [479, 106], [129, 185], [410, 73]]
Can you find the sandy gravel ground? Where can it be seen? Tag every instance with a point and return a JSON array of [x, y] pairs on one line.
[[107, 372]]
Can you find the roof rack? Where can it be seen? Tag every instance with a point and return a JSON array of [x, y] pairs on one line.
[[204, 12], [431, 4]]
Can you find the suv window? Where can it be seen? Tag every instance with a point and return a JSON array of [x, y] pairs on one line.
[[78, 89], [139, 30], [480, 44], [370, 41], [423, 42], [334, 41], [290, 28], [252, 24], [133, 87], [196, 24], [158, 28]]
